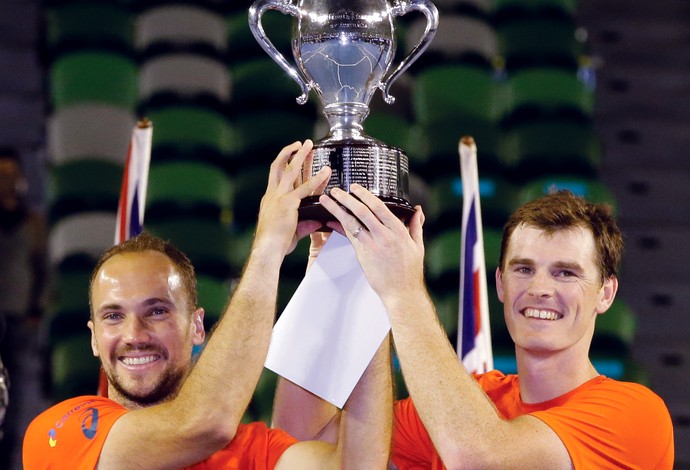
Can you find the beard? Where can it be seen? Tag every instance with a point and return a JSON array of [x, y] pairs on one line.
[[165, 388]]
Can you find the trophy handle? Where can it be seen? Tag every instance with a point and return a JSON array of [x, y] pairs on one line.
[[400, 8], [286, 7]]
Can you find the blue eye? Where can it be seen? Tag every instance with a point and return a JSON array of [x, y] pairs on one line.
[[566, 274], [112, 316], [158, 311]]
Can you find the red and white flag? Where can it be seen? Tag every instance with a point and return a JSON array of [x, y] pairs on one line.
[[474, 332], [130, 210]]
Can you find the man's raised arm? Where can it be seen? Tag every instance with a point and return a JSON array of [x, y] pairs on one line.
[[205, 414]]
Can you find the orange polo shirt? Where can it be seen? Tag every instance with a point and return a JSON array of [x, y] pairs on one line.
[[604, 423], [71, 435]]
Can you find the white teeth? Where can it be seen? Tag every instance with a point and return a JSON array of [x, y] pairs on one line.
[[137, 361], [541, 314]]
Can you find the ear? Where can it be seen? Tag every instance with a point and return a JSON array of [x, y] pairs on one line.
[[94, 344], [499, 284], [607, 294], [198, 332]]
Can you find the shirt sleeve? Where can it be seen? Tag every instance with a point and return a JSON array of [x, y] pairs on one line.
[[71, 434], [278, 442], [412, 446], [617, 425], [254, 446]]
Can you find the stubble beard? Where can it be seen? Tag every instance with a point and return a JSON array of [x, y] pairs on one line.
[[166, 388]]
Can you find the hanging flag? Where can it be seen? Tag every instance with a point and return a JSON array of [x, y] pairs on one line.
[[130, 209], [474, 333]]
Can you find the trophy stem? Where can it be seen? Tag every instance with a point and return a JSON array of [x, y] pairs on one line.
[[345, 121]]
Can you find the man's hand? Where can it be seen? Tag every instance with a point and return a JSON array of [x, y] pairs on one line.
[[277, 226], [391, 254]]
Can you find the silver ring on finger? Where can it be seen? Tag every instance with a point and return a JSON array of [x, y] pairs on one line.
[[358, 231]]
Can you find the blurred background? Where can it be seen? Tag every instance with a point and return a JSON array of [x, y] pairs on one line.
[[591, 96]]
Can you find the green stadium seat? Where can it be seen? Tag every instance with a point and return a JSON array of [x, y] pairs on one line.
[[69, 309], [83, 185], [261, 135], [214, 294], [434, 146], [89, 24], [250, 184], [191, 132], [539, 42], [546, 147], [207, 243], [258, 83], [447, 92], [546, 93], [391, 129], [74, 370], [94, 76], [191, 188]]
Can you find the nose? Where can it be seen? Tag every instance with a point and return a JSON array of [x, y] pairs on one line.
[[135, 330], [541, 285]]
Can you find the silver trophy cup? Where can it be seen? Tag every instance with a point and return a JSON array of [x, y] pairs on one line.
[[343, 50]]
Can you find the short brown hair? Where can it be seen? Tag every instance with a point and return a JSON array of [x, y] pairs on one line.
[[564, 210], [147, 242]]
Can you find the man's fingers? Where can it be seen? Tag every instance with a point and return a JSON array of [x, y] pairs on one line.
[[293, 171], [375, 205], [321, 187], [278, 165], [416, 224], [346, 221], [319, 180], [362, 214]]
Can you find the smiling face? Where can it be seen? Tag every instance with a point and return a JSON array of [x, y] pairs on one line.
[[551, 289], [142, 328]]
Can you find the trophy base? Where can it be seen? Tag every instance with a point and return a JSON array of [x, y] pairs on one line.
[[382, 169], [311, 209]]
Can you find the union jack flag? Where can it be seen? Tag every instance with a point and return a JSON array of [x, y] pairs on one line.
[[474, 333], [130, 210]]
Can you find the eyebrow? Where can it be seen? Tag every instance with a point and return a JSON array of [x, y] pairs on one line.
[[520, 261], [157, 300], [568, 265], [146, 303], [559, 264]]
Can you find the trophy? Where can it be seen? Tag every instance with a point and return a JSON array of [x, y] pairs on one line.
[[343, 50]]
